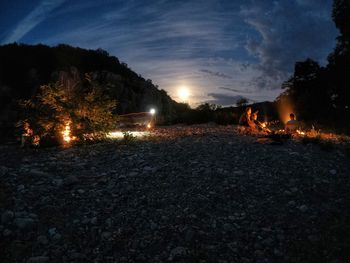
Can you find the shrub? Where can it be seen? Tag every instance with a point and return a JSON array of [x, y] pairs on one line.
[[70, 109]]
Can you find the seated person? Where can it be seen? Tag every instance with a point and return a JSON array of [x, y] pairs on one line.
[[245, 120], [259, 126], [292, 125]]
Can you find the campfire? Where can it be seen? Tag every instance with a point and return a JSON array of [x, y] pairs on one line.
[[303, 133], [67, 133]]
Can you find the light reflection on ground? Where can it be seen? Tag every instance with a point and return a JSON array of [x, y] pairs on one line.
[[120, 134]]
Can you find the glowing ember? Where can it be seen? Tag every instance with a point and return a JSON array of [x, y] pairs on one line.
[[263, 124], [300, 132], [28, 135], [149, 126], [27, 130]]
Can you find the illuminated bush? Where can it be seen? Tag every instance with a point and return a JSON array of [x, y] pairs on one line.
[[71, 109]]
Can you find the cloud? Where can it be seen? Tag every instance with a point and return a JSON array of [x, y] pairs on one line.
[[237, 90], [216, 74], [39, 14], [289, 31], [224, 99], [245, 47]]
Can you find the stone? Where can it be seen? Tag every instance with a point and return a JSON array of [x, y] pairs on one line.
[[24, 223], [39, 259], [20, 188], [238, 172], [52, 231], [177, 252], [106, 235], [58, 182], [3, 170], [42, 240], [291, 203], [333, 172], [37, 173], [109, 222], [303, 208], [71, 180], [7, 216], [7, 233], [93, 221], [57, 237]]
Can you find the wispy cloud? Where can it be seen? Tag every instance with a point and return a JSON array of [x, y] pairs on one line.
[[35, 17], [224, 99], [289, 32], [236, 90], [246, 47], [216, 74]]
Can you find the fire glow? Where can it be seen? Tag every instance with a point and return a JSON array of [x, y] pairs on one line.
[[67, 134], [300, 132]]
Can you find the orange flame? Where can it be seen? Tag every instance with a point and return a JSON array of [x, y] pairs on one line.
[[66, 133]]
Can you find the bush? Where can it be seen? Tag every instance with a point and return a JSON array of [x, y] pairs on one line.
[[70, 109]]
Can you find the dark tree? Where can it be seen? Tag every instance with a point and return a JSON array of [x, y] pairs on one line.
[[323, 94]]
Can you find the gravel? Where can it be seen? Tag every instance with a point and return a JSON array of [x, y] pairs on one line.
[[184, 194]]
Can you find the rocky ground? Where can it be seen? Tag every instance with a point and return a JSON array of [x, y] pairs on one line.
[[185, 194]]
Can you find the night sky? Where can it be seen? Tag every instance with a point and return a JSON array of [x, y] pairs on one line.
[[219, 50]]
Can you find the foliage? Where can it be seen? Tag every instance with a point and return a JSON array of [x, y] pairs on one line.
[[79, 105], [323, 93], [24, 68]]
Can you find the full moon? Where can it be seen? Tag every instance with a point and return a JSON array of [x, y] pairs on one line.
[[183, 93]]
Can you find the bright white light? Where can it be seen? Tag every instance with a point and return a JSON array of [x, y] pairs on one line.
[[152, 111], [183, 93]]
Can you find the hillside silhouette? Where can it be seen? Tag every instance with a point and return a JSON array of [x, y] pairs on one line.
[[24, 68]]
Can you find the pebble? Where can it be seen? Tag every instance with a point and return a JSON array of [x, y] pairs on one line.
[[333, 172], [3, 170], [177, 252], [203, 197], [238, 172], [303, 208], [93, 221], [39, 259], [52, 231], [42, 240], [7, 216], [57, 237], [24, 223], [7, 233]]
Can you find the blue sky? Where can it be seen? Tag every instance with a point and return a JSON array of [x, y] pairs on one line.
[[219, 50]]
